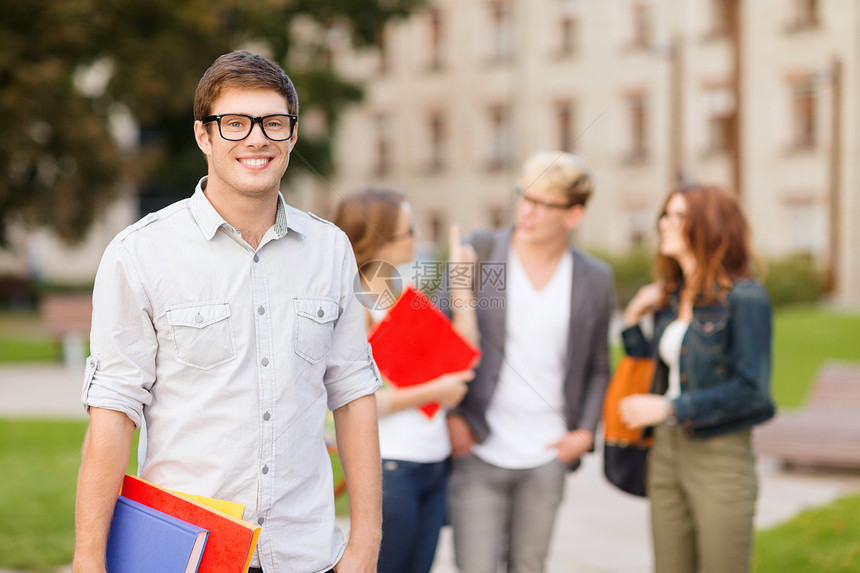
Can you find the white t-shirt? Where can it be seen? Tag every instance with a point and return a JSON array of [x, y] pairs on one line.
[[527, 412], [670, 352], [409, 435]]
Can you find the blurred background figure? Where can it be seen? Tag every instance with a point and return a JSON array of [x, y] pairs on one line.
[[415, 448], [532, 410], [712, 344]]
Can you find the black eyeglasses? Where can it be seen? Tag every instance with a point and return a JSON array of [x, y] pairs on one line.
[[238, 126], [534, 202], [409, 233]]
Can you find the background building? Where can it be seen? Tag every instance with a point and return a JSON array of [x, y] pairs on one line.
[[648, 91], [761, 96]]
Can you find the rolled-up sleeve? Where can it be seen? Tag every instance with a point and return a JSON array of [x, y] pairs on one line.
[[121, 368], [350, 370]]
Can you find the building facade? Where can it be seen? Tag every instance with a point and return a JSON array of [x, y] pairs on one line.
[[757, 95]]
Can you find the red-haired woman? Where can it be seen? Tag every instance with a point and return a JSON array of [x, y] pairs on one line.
[[712, 346]]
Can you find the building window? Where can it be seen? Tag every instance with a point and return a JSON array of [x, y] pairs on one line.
[[500, 137], [565, 121], [435, 39], [501, 31], [382, 159], [567, 16], [720, 110], [637, 105], [642, 16], [568, 27], [805, 15], [807, 229], [804, 117], [437, 228], [640, 228], [719, 17], [436, 128], [383, 63]]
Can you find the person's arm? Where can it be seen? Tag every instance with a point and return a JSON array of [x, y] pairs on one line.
[[462, 258], [103, 465], [461, 435], [574, 445], [358, 446], [447, 390]]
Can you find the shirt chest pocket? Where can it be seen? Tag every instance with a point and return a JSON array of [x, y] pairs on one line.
[[202, 334], [315, 317]]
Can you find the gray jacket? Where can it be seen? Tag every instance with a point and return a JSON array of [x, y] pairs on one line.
[[587, 368]]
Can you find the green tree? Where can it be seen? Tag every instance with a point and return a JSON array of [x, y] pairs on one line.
[[59, 164]]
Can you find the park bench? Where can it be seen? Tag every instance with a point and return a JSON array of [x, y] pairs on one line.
[[67, 317], [826, 431]]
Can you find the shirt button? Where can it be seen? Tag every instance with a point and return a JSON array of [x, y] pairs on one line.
[[199, 318], [256, 258], [260, 521], [261, 310], [320, 313], [264, 362], [265, 470], [267, 416]]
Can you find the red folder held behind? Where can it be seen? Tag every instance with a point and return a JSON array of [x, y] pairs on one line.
[[416, 343]]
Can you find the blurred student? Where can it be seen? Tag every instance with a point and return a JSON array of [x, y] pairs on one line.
[[712, 344], [533, 407], [414, 448]]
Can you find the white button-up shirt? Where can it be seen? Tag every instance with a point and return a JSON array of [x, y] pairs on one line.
[[228, 357]]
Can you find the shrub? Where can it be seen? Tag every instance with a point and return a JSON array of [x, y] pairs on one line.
[[16, 293], [632, 270], [794, 280]]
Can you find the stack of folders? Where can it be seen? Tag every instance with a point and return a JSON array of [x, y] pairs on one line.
[[155, 529]]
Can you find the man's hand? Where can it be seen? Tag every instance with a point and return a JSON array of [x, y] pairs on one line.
[[573, 445], [357, 559], [462, 438]]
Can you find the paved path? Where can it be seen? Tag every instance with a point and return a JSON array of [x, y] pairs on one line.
[[599, 530]]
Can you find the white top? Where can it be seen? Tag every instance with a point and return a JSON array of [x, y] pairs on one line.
[[231, 356], [527, 412], [670, 353], [409, 435]]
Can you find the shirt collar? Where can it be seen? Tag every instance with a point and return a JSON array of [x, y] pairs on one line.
[[210, 221]]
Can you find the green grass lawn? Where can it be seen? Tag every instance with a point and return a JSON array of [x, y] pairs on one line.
[[39, 461], [825, 539], [22, 339], [804, 338]]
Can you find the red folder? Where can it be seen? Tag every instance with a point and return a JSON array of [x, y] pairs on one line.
[[416, 343], [231, 541]]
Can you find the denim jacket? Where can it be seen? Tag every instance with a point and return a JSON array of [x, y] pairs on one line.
[[725, 361]]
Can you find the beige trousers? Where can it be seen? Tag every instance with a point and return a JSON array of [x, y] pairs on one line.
[[703, 495]]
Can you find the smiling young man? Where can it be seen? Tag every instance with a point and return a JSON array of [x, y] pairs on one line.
[[223, 326], [532, 409]]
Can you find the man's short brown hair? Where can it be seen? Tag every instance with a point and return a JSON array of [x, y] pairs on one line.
[[241, 69]]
